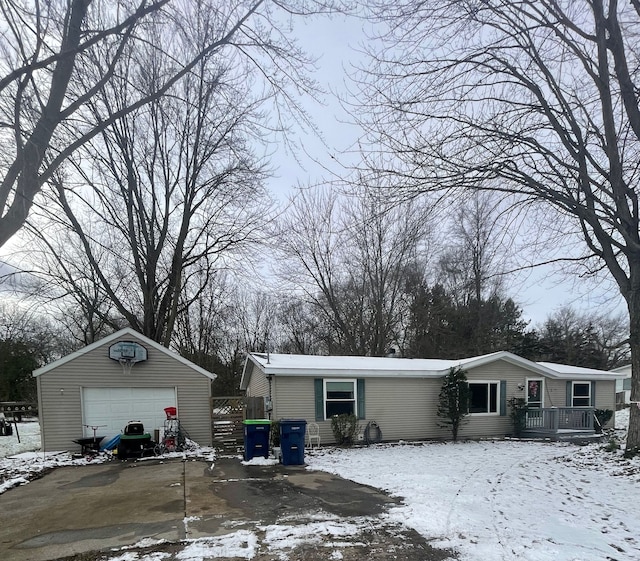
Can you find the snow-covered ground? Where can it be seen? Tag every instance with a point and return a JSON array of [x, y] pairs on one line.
[[490, 500]]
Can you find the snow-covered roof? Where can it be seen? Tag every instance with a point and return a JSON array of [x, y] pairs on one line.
[[567, 371], [127, 331], [626, 370], [315, 365]]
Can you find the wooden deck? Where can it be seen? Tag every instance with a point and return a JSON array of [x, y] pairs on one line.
[[561, 423]]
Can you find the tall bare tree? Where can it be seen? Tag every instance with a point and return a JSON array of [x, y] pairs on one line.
[[538, 99], [474, 263], [167, 193], [58, 56], [349, 259]]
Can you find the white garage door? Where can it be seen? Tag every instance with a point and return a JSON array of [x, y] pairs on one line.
[[111, 409]]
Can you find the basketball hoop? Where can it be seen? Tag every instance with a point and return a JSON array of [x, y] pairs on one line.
[[127, 365], [127, 353]]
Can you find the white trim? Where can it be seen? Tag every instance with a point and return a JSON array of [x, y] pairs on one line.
[[573, 385], [526, 389], [488, 413], [354, 381], [127, 331]]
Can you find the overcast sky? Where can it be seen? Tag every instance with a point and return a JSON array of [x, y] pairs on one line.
[[335, 43]]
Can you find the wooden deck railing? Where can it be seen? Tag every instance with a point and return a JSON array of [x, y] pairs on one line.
[[556, 419]]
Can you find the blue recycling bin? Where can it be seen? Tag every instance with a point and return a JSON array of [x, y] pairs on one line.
[[256, 438], [292, 433]]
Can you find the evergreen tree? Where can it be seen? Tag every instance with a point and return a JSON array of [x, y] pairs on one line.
[[453, 402]]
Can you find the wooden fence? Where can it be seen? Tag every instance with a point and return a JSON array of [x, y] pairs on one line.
[[227, 414]]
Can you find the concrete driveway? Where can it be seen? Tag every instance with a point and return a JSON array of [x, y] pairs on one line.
[[75, 510]]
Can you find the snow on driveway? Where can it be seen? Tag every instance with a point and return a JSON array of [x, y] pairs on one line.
[[490, 500], [504, 500]]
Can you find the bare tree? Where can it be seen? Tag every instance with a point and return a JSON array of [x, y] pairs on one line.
[[473, 267], [474, 262], [595, 340], [256, 320], [57, 57], [67, 286], [208, 334], [166, 194], [538, 99], [349, 257], [300, 328]]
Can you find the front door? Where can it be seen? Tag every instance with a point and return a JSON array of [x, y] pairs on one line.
[[535, 395]]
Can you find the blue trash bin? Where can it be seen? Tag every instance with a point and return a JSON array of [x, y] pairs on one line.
[[292, 433], [256, 438]]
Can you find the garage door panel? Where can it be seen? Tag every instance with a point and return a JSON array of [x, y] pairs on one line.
[[148, 408], [112, 408]]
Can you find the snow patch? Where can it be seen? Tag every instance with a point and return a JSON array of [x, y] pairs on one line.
[[497, 499]]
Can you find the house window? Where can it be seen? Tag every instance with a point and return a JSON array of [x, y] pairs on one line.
[[339, 397], [581, 394], [484, 397]]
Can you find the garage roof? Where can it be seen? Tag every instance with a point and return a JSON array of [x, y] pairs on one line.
[[127, 331]]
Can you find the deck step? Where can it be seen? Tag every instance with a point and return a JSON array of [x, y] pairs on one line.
[[577, 437]]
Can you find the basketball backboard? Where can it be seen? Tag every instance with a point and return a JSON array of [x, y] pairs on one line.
[[127, 350]]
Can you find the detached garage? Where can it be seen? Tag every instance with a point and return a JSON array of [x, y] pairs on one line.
[[121, 378]]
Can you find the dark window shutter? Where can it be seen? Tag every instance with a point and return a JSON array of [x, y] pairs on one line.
[[503, 398], [319, 396], [360, 389], [568, 401], [593, 394]]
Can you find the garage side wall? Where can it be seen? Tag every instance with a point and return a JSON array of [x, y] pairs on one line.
[[60, 392]]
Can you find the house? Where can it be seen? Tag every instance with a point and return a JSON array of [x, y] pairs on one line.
[[401, 395], [125, 376], [623, 386]]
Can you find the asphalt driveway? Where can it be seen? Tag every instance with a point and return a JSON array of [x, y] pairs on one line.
[[73, 511]]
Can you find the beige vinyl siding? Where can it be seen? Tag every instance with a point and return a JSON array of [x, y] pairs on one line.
[[605, 395], [258, 383], [405, 408], [606, 398], [555, 392], [60, 391], [495, 425], [294, 398], [384, 399]]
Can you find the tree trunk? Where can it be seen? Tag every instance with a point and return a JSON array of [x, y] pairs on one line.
[[633, 436]]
